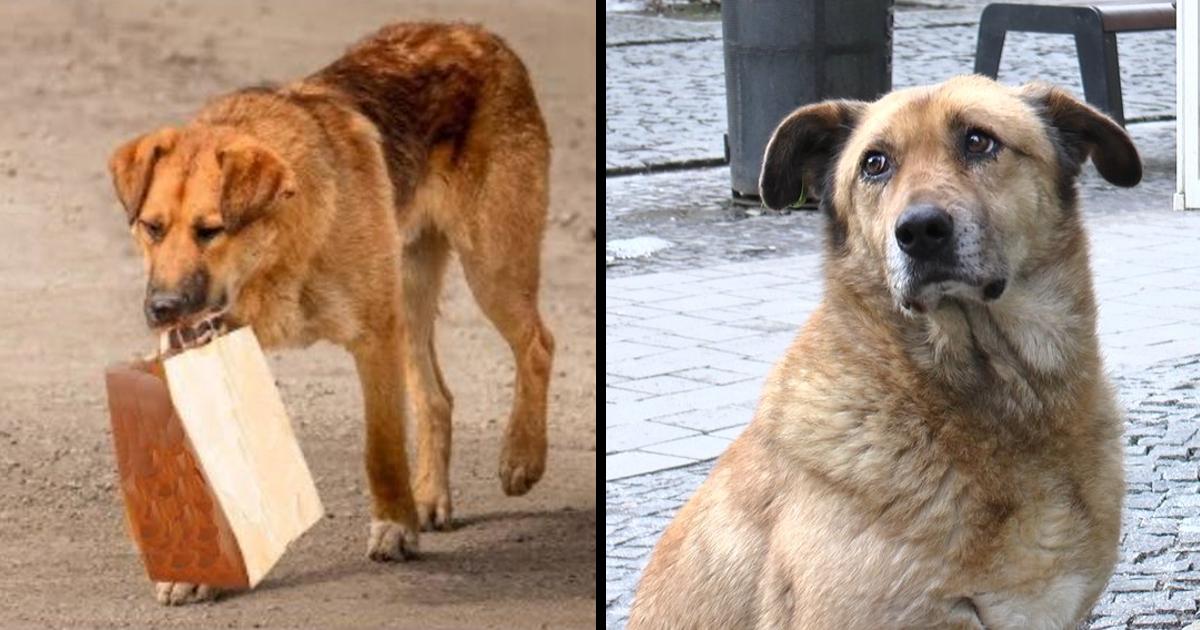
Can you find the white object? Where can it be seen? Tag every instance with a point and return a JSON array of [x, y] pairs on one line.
[[1187, 105], [252, 464]]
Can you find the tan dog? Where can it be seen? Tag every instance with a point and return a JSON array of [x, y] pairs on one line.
[[326, 209], [940, 447]]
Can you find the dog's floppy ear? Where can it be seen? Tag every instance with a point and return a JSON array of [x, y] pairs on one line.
[[132, 167], [1081, 131], [802, 150], [253, 178]]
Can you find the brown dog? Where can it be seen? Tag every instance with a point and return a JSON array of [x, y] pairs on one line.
[[939, 448], [327, 208]]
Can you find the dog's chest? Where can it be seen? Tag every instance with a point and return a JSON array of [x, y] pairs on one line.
[[1031, 576]]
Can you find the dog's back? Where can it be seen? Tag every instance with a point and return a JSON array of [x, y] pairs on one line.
[[429, 84]]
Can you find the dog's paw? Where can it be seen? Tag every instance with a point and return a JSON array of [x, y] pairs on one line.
[[521, 465], [433, 512], [179, 593], [391, 541]]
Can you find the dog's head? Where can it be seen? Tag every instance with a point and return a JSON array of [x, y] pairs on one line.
[[950, 190], [195, 199]]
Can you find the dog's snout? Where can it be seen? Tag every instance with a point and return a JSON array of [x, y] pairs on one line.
[[163, 307], [925, 232], [169, 302]]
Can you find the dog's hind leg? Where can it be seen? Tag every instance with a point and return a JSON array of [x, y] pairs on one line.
[[511, 304], [422, 266], [502, 268]]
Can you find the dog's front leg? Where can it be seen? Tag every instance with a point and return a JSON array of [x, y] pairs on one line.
[[393, 534]]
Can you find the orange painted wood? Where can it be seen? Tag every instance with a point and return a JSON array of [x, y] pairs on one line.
[[171, 511]]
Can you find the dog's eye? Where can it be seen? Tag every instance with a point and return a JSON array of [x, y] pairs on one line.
[[205, 234], [875, 164], [153, 230], [979, 143]]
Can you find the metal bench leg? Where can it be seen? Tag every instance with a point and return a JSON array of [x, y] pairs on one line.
[[989, 47], [1101, 72]]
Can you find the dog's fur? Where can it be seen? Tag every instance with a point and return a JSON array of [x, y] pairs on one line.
[[926, 454], [327, 208]]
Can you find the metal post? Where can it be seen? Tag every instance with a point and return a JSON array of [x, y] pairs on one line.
[[781, 54]]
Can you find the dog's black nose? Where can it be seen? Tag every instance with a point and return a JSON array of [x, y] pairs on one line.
[[925, 231], [163, 308]]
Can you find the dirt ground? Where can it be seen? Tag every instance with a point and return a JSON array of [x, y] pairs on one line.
[[78, 78]]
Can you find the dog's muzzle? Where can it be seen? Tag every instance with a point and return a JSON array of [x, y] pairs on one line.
[[937, 257]]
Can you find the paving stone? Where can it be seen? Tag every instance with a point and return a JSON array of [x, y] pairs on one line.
[[731, 433], [1191, 501], [630, 463], [1161, 565], [709, 420], [1155, 621], [661, 384], [1181, 602], [616, 395], [767, 347], [641, 435], [1147, 545], [1179, 472], [766, 325], [697, 447], [1140, 474], [1156, 524], [704, 302], [1130, 585], [1179, 435], [712, 376], [1189, 531], [744, 393], [650, 336], [750, 367], [1151, 602], [672, 361]]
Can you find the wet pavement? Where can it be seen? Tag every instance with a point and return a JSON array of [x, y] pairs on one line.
[[665, 105], [664, 85], [703, 296]]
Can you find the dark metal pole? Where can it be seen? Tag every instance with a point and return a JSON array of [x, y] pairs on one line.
[[780, 54]]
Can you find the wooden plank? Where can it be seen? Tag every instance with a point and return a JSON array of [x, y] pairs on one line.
[[172, 515], [215, 484], [235, 419]]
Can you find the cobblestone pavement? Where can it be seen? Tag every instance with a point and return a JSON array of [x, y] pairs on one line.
[[664, 92], [1157, 581], [665, 103]]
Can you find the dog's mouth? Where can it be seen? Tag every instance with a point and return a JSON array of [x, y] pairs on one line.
[[196, 333], [187, 319], [926, 294]]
